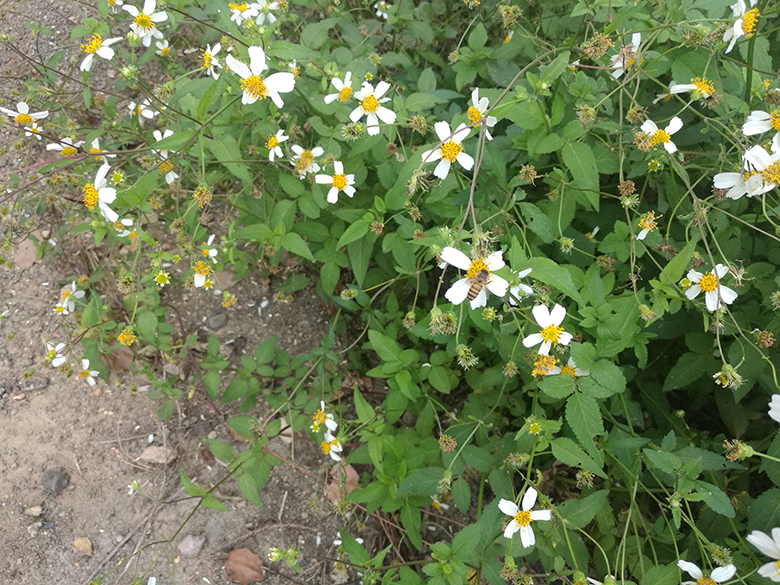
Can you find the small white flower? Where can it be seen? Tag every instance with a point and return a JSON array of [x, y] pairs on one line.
[[122, 226], [209, 252], [626, 58], [450, 150], [338, 182], [165, 166], [344, 89], [202, 276], [570, 368], [98, 194], [700, 89], [95, 45], [479, 271], [521, 519], [131, 490], [257, 87], [320, 418], [142, 110], [519, 290], [272, 144], [551, 332], [210, 61], [759, 122], [144, 22], [381, 9], [771, 548], [115, 5], [718, 575], [751, 181], [67, 295], [477, 110], [371, 106], [264, 9], [774, 407], [162, 278], [95, 151], [241, 11], [54, 354], [438, 505], [330, 446], [658, 136], [86, 373], [66, 146], [303, 160], [26, 119], [714, 292], [163, 48], [337, 541], [744, 25]]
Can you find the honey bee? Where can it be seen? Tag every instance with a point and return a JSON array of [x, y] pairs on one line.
[[478, 282]]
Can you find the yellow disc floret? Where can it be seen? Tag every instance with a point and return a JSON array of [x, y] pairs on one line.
[[271, 142], [84, 374], [68, 151], [659, 137], [648, 221], [166, 166], [90, 196], [255, 86], [339, 182], [143, 21], [543, 365], [708, 282], [477, 266], [523, 518], [703, 86], [202, 269], [474, 115], [235, 6], [23, 119], [551, 334], [706, 581], [568, 370], [369, 104], [345, 94], [207, 59], [771, 174], [92, 44], [774, 120], [749, 22], [450, 150]]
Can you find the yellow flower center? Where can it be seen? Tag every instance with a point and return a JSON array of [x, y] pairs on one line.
[[721, 380], [23, 119], [777, 567], [370, 104], [165, 51], [648, 221], [543, 365], [477, 266], [161, 278], [92, 44], [68, 151], [774, 120], [207, 59], [208, 284], [771, 174], [205, 253], [118, 226], [65, 295], [339, 181], [90, 196], [143, 21], [708, 282], [568, 370], [436, 505], [60, 309], [534, 428], [345, 94], [126, 338], [94, 150], [523, 518], [51, 354], [202, 269], [325, 445], [705, 581], [703, 86], [474, 115], [254, 86], [551, 333], [304, 161], [506, 39], [450, 150], [84, 374], [659, 137], [271, 142], [117, 177], [240, 7], [319, 418], [166, 166], [749, 22]]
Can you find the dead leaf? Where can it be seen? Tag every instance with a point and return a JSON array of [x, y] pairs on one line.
[[344, 479], [119, 359], [225, 279], [18, 397], [157, 454], [243, 566], [84, 544], [24, 254]]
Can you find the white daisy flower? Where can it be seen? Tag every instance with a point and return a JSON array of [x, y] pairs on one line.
[[95, 45], [115, 5], [202, 275], [450, 150], [331, 446], [86, 373], [257, 87], [771, 548], [142, 110], [718, 575], [26, 119], [123, 227], [98, 194], [714, 292], [759, 122], [518, 290], [320, 418], [438, 505], [338, 182], [272, 144], [303, 160], [166, 166], [522, 518], [648, 224], [242, 11], [54, 354], [264, 9], [551, 332], [626, 57], [744, 25], [163, 48], [344, 89], [144, 21], [571, 369], [477, 110], [162, 278], [95, 151], [209, 251], [699, 88], [752, 181], [381, 9], [479, 277], [774, 407], [658, 136], [210, 61], [67, 295], [371, 105], [66, 146]]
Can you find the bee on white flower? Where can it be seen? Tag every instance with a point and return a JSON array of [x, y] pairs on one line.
[[450, 150], [144, 21], [303, 160], [254, 85], [371, 106], [479, 278]]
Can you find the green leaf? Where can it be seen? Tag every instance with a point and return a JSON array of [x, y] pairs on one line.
[[173, 142], [538, 222], [567, 451], [689, 368], [662, 575], [357, 554], [579, 160], [581, 511], [146, 325], [554, 70], [388, 349], [477, 37], [220, 450], [256, 232], [190, 488], [363, 409], [211, 96], [294, 243], [424, 482], [674, 270], [427, 81], [548, 272], [461, 494], [716, 499], [662, 460], [410, 520], [265, 351], [242, 425], [584, 418], [417, 102], [608, 375], [557, 386], [764, 513], [226, 150], [248, 487], [354, 232], [210, 501]]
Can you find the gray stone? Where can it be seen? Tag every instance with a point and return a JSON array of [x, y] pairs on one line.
[[54, 481], [190, 546], [218, 321]]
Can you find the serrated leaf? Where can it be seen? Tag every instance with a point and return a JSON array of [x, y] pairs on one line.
[[554, 70], [410, 520], [294, 243], [424, 482], [461, 494], [662, 575], [579, 160], [584, 418], [580, 512], [388, 349], [567, 451], [689, 368], [354, 232], [557, 386], [548, 272], [248, 487], [363, 409], [226, 150], [538, 222], [608, 376]]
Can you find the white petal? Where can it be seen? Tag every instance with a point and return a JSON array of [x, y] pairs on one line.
[[727, 295], [282, 82], [105, 53], [256, 59], [557, 315], [338, 167], [455, 257], [694, 275], [649, 127], [442, 169], [498, 286], [770, 571], [533, 339], [711, 300], [431, 155], [442, 131], [690, 568], [527, 537], [765, 544], [387, 116], [511, 528], [457, 292], [722, 574], [508, 507], [465, 160], [461, 133], [480, 300], [693, 292], [727, 180], [674, 125], [495, 261], [323, 179], [542, 316], [670, 147], [529, 498], [238, 67], [333, 195], [541, 515]]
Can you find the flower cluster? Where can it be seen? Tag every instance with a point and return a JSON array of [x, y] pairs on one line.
[[330, 445]]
